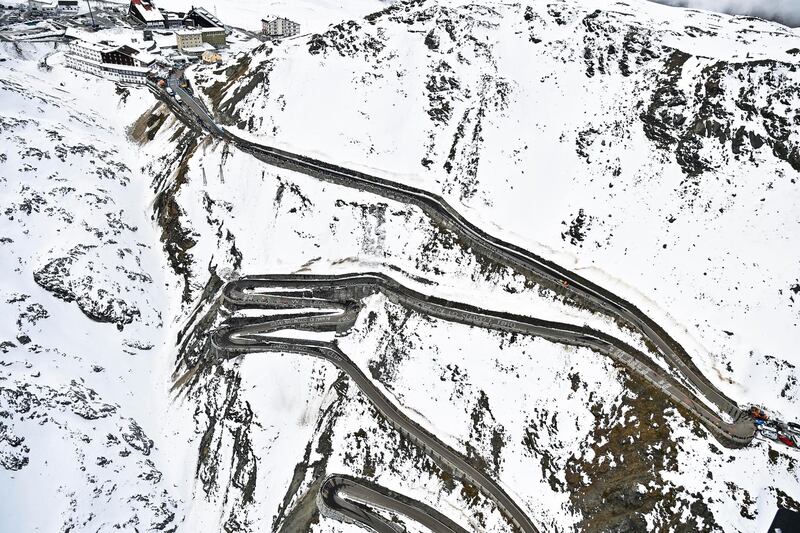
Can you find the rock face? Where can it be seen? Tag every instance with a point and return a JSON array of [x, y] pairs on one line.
[[741, 110], [70, 278], [95, 452]]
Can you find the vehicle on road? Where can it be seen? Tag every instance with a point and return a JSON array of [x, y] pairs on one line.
[[787, 440], [170, 91], [178, 98], [769, 433], [758, 413]]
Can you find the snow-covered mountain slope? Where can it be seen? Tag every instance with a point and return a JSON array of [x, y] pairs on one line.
[[603, 136], [654, 150], [582, 441], [83, 299], [235, 213]]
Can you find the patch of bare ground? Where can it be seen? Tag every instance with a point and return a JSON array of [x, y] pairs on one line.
[[223, 104], [146, 126], [622, 482]]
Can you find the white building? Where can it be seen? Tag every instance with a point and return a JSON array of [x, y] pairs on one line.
[[89, 51], [117, 63], [279, 27], [119, 73]]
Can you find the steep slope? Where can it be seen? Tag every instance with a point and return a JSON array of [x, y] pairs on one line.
[[587, 462], [82, 294], [627, 141], [653, 149]]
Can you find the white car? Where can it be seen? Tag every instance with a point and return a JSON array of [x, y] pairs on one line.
[[178, 98], [769, 433]]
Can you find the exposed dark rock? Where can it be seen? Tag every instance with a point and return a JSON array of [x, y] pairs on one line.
[[76, 285], [135, 437]]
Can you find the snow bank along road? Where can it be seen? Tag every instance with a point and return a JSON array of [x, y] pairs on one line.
[[737, 433], [332, 303], [335, 299]]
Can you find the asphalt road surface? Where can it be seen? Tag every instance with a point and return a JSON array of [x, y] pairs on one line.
[[336, 309], [692, 390], [342, 497], [332, 303], [502, 252]]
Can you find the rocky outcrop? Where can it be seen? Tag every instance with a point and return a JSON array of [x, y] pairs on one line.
[[735, 111], [70, 278]]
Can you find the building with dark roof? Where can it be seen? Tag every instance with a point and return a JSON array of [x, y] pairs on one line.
[[118, 63], [173, 20], [125, 55], [146, 12], [199, 17], [67, 6]]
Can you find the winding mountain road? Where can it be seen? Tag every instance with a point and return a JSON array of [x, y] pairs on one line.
[[341, 497], [314, 303], [503, 253], [332, 303]]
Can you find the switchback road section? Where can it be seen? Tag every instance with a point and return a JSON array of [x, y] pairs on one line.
[[503, 253], [316, 303], [340, 497]]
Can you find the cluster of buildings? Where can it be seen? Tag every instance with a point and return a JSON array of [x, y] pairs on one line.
[[60, 7], [198, 33], [148, 15]]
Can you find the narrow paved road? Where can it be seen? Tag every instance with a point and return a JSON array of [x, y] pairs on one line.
[[336, 309], [342, 497], [334, 299], [504, 253], [332, 303]]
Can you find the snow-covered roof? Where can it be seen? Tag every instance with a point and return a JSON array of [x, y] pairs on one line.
[[145, 58], [97, 47], [147, 11]]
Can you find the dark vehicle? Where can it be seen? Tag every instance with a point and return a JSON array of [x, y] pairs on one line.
[[786, 440], [758, 413]]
